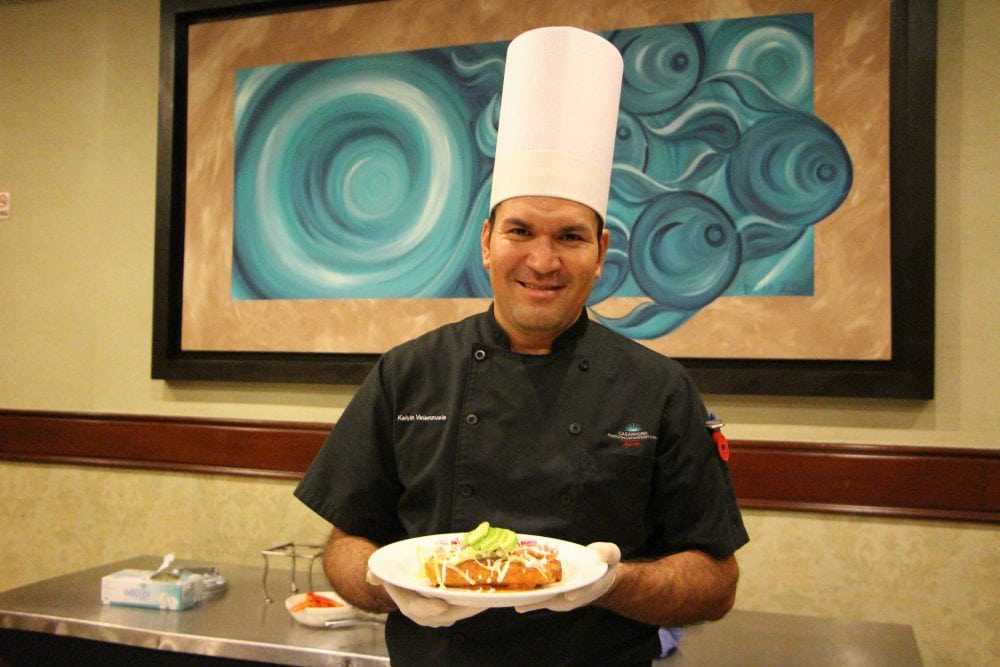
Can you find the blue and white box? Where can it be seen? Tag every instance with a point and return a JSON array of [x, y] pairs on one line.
[[135, 588]]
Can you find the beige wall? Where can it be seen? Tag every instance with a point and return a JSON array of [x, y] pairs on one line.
[[78, 96]]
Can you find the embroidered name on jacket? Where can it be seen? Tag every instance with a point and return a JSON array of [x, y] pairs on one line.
[[421, 418], [632, 436]]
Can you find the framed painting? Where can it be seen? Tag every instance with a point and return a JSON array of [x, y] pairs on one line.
[[324, 171]]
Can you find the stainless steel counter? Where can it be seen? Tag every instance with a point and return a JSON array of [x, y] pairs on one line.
[[764, 639], [238, 624]]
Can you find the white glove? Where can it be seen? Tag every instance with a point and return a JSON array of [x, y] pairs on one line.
[[610, 554], [431, 612]]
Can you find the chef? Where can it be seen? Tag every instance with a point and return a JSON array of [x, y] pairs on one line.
[[535, 418]]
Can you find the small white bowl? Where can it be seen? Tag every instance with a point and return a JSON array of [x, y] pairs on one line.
[[317, 616]]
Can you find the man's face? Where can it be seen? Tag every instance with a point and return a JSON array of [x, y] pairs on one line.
[[544, 255]]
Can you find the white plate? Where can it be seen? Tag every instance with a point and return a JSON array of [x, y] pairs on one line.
[[317, 616], [398, 564]]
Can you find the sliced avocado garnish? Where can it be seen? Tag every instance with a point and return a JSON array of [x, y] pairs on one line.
[[476, 534], [485, 538]]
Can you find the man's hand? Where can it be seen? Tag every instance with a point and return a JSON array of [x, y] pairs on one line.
[[610, 554], [430, 612]]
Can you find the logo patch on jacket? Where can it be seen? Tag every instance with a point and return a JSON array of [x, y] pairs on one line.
[[714, 426], [632, 435]]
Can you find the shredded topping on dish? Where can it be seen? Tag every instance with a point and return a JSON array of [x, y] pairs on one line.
[[494, 552]]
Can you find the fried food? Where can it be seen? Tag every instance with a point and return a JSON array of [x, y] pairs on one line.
[[485, 558], [510, 572]]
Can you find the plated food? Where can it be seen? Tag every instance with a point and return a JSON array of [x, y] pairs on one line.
[[404, 564], [491, 558], [316, 601], [316, 608]]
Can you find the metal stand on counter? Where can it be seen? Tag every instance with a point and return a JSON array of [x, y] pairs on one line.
[[296, 552]]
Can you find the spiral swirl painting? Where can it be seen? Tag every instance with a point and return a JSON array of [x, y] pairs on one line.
[[369, 177]]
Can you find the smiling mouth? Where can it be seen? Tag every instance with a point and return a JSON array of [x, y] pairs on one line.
[[537, 287]]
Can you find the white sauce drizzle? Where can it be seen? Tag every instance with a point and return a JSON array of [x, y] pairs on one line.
[[447, 556]]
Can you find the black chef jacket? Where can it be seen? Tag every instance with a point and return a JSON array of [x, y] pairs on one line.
[[601, 440]]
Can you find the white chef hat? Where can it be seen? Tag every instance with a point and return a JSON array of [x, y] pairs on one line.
[[558, 117]]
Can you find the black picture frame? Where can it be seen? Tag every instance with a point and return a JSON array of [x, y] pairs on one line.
[[909, 374]]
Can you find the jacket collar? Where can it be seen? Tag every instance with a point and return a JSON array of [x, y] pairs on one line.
[[498, 336]]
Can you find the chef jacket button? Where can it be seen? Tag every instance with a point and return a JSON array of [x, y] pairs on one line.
[[584, 365], [574, 429], [466, 490], [479, 354], [471, 419], [458, 638]]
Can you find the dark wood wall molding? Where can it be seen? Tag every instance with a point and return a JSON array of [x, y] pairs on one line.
[[879, 480]]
